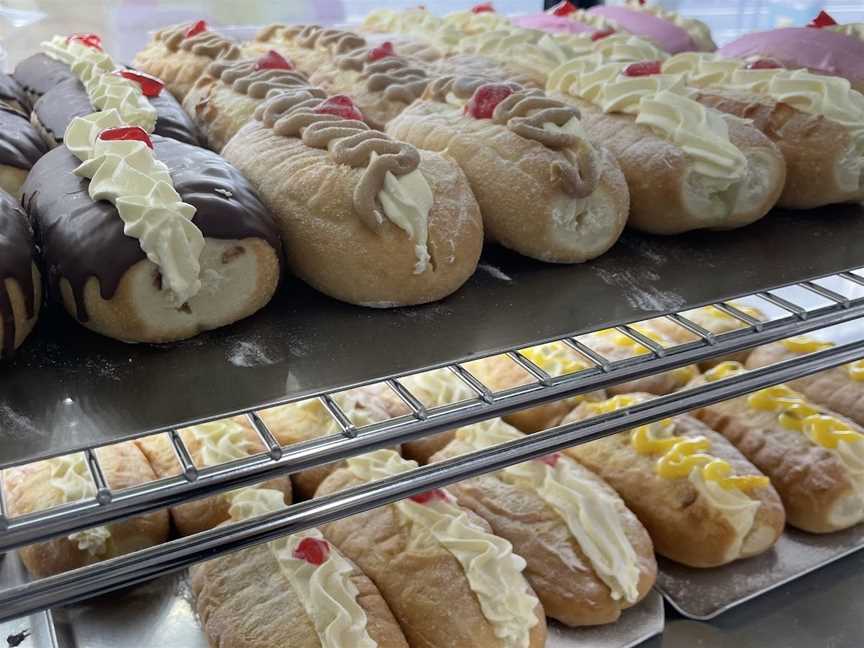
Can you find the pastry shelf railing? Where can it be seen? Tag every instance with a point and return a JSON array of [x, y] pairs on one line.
[[131, 569], [194, 482]]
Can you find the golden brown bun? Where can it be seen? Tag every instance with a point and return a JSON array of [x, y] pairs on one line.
[[178, 70], [425, 587], [662, 199], [817, 490], [814, 147], [244, 601], [297, 422], [28, 489], [140, 311], [683, 525], [834, 388], [557, 568], [22, 325], [500, 373], [218, 111], [477, 65], [518, 201], [328, 246], [202, 514]]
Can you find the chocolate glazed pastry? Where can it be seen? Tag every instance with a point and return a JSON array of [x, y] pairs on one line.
[[20, 281], [103, 277], [12, 94], [20, 147], [39, 73], [60, 105]]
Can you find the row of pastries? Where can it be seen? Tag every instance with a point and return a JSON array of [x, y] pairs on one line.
[[571, 536], [170, 198]]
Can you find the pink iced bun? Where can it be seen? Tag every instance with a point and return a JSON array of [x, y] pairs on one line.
[[666, 35], [547, 22], [819, 50]]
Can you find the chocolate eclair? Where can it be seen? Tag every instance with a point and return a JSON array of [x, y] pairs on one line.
[[20, 147], [12, 95], [53, 112], [38, 73], [185, 247], [20, 280]]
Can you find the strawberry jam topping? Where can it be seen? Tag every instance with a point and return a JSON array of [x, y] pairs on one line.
[[763, 64], [341, 106], [485, 98], [89, 40], [312, 550], [642, 68], [564, 8], [150, 85], [823, 19], [128, 133], [273, 60], [429, 496], [196, 28], [601, 34], [384, 50], [483, 7], [550, 460]]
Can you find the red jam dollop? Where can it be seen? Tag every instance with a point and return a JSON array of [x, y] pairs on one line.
[[150, 85], [341, 106], [89, 40], [564, 8], [312, 550], [128, 133], [763, 64], [485, 98], [429, 496], [550, 460], [483, 7], [603, 33], [196, 28], [384, 50], [273, 60], [642, 68], [823, 19]]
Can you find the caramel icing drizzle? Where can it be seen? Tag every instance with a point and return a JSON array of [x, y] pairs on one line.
[[207, 43], [246, 80], [534, 116], [350, 142], [337, 41], [397, 77]]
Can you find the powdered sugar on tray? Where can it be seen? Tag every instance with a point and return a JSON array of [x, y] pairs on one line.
[[495, 272], [639, 292], [249, 354]]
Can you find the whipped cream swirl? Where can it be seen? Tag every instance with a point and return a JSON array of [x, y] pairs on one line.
[[127, 174], [71, 476], [222, 441]]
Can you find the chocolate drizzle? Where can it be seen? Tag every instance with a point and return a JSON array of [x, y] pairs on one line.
[[206, 43], [39, 73], [16, 263], [12, 94], [350, 142], [59, 106], [83, 238], [20, 145], [245, 79]]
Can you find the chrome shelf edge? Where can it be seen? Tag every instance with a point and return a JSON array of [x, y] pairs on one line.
[[135, 568]]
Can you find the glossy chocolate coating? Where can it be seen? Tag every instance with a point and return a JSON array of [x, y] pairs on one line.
[[81, 238], [60, 105], [20, 144], [39, 73], [11, 91], [16, 262]]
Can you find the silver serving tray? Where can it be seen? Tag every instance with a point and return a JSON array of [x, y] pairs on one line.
[[703, 594]]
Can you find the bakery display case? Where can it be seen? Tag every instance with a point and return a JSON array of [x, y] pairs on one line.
[[689, 306]]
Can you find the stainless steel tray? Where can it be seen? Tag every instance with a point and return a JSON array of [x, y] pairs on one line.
[[161, 614], [69, 389], [705, 593]]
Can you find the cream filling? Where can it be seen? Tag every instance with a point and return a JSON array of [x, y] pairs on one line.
[[127, 174], [493, 571], [326, 591], [438, 387], [221, 441], [734, 505], [592, 517], [71, 476]]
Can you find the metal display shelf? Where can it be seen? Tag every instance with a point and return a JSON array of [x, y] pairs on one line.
[[69, 389], [131, 569]]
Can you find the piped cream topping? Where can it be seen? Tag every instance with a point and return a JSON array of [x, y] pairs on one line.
[[127, 174], [105, 90], [438, 387], [326, 591], [493, 571], [592, 516], [855, 30], [71, 477], [221, 441]]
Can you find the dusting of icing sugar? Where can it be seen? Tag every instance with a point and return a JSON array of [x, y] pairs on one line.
[[638, 291], [495, 272], [250, 354]]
